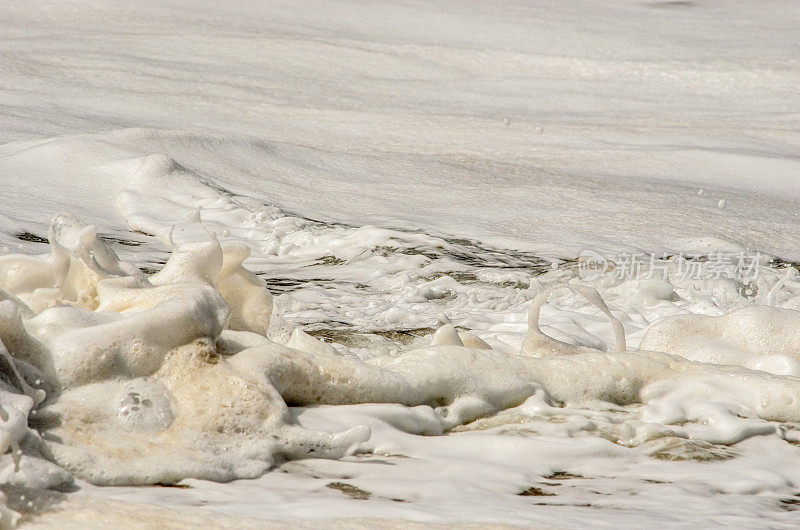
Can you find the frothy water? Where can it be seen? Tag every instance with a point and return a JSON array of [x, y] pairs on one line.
[[427, 263], [117, 376]]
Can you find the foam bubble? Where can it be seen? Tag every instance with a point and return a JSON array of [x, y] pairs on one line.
[[158, 377]]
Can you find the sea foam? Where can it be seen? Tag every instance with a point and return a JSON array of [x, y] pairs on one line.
[[119, 377]]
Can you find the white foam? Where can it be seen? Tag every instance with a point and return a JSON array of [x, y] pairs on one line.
[[298, 142], [168, 376]]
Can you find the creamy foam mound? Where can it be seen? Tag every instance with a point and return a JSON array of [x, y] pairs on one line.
[[119, 377], [757, 337], [137, 390]]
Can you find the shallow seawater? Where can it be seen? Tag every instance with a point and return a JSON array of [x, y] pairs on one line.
[[527, 264], [531, 430], [420, 384], [498, 421]]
